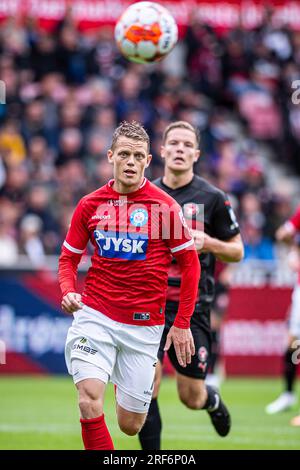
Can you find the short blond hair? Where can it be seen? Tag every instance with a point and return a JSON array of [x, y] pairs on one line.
[[131, 130], [181, 125]]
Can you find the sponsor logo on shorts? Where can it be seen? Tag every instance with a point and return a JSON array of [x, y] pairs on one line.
[[146, 392], [83, 348], [202, 356]]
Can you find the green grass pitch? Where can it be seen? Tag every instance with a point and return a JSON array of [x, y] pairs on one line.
[[41, 413]]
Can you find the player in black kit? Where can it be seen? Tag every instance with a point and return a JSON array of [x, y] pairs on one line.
[[211, 219]]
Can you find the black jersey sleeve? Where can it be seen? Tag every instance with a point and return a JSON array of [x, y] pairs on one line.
[[224, 222]]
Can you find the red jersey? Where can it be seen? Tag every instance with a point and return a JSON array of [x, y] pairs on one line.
[[295, 221], [134, 237]]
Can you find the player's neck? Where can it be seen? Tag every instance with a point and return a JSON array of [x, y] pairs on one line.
[[121, 188], [177, 180]]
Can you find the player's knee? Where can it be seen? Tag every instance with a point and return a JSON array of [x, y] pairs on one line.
[[193, 399], [90, 407], [131, 428], [193, 403], [90, 400]]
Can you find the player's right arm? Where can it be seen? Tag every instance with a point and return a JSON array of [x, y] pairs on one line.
[[287, 231], [71, 253]]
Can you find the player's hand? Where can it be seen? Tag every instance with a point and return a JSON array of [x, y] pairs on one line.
[[71, 302], [198, 236], [183, 342], [203, 242]]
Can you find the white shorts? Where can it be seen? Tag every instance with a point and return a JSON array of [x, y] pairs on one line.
[[99, 347], [294, 320]]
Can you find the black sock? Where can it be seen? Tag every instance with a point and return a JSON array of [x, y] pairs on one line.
[[289, 370], [213, 399], [149, 435]]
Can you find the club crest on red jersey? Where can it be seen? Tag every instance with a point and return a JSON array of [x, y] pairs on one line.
[[139, 217]]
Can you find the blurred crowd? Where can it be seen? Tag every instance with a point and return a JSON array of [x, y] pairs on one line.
[[66, 92]]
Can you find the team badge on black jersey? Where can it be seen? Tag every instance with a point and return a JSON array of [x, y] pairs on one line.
[[191, 209]]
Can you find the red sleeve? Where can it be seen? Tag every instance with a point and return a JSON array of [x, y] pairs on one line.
[[72, 250], [295, 219], [177, 233], [78, 236], [67, 271], [188, 262]]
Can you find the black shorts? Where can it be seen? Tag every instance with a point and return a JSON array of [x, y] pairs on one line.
[[202, 338]]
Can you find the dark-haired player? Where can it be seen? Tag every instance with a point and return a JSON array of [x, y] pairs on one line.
[[208, 212]]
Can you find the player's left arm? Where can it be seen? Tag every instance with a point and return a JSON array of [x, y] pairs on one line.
[[228, 251], [287, 231], [224, 240], [183, 249], [180, 334]]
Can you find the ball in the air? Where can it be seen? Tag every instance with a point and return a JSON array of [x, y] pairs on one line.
[[146, 32]]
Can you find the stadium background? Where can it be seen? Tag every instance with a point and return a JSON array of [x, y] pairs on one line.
[[67, 87]]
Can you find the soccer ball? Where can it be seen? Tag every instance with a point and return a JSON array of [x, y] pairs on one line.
[[146, 32]]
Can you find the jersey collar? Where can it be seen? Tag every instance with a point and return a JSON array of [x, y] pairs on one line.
[[179, 187], [133, 193]]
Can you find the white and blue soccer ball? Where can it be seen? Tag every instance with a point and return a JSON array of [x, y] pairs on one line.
[[146, 32]]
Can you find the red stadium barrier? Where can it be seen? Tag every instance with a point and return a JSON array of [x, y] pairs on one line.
[[254, 332], [92, 14], [34, 329]]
